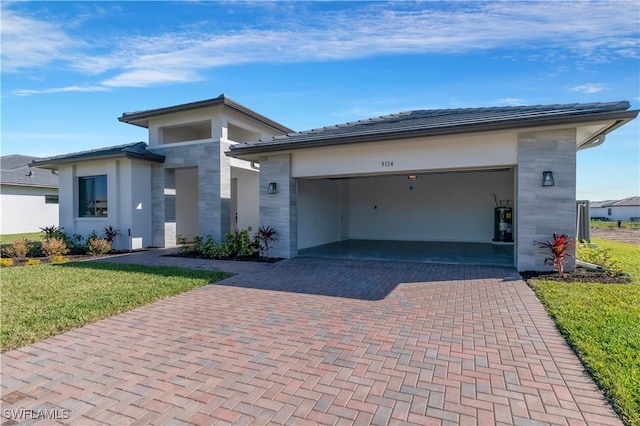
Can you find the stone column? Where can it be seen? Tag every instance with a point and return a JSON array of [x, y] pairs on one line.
[[541, 211], [279, 210]]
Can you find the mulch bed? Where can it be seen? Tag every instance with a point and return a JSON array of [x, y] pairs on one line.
[[255, 258], [581, 275]]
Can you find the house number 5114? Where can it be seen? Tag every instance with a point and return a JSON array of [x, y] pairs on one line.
[[386, 163]]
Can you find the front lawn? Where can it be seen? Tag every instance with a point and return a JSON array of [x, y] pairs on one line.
[[602, 323], [45, 300], [609, 224], [9, 238]]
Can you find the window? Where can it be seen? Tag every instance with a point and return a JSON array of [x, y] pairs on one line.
[[51, 199], [92, 196], [609, 211]]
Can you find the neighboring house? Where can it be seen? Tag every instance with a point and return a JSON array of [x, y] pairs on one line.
[[427, 175], [625, 209], [28, 196]]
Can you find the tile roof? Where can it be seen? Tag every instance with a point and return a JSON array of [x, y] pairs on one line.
[[16, 171], [141, 118], [437, 121], [136, 150]]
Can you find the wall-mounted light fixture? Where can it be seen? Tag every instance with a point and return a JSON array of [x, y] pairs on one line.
[[272, 188], [547, 179], [412, 177]]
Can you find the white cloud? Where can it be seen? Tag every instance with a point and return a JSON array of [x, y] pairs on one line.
[[29, 43], [28, 92], [589, 88], [511, 101], [548, 31]]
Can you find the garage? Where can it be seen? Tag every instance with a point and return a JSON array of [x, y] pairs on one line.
[[442, 217], [431, 185]]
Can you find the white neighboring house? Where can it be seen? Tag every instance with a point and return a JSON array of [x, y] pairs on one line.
[[28, 196], [625, 209]]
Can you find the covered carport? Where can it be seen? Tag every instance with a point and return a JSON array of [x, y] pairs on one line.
[[430, 176], [427, 216]]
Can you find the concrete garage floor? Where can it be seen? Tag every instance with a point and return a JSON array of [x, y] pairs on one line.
[[416, 251]]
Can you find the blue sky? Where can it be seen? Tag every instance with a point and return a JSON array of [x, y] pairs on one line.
[[69, 69]]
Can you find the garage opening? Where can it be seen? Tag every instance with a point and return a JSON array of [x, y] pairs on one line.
[[443, 217]]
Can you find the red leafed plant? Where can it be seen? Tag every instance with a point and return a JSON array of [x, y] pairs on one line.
[[558, 251]]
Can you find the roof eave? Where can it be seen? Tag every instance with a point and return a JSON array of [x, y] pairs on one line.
[[30, 185], [135, 117], [621, 118], [53, 164]]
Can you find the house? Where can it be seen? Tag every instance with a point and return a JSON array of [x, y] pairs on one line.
[[627, 209], [493, 180], [28, 196]]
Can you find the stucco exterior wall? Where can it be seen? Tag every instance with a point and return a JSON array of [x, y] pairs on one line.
[[318, 212], [23, 209], [186, 202], [489, 149], [129, 201], [617, 212], [440, 207], [248, 199], [541, 211]]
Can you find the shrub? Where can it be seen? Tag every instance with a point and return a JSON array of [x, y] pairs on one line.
[[5, 262], [17, 250], [239, 244], [51, 232], [557, 251], [34, 249], [54, 247], [592, 253], [265, 236], [98, 246], [59, 259], [31, 262], [110, 234], [75, 243]]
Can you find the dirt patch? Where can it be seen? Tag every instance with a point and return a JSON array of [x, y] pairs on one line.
[[580, 275], [625, 235]]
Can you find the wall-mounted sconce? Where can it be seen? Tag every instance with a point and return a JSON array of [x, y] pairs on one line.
[[272, 188], [412, 177], [547, 179]]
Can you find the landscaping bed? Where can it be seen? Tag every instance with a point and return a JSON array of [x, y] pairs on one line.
[[580, 275]]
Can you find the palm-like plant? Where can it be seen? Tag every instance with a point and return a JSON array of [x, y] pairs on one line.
[[557, 251], [266, 236]]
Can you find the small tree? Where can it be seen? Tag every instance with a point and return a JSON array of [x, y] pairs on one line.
[[265, 236], [557, 251]]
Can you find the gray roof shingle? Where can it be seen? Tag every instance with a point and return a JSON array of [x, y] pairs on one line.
[[626, 202], [137, 150], [16, 171], [438, 121]]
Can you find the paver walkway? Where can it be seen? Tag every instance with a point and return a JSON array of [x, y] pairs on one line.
[[315, 341]]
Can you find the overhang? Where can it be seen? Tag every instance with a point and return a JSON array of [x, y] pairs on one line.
[[596, 120], [135, 151], [141, 118]]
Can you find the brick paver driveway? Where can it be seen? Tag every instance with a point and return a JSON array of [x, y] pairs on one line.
[[317, 341]]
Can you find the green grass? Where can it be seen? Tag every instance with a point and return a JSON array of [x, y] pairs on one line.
[[602, 323], [601, 224], [9, 238], [46, 300]]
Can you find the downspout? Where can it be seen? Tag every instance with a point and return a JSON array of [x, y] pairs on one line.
[[254, 166]]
